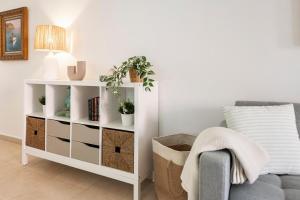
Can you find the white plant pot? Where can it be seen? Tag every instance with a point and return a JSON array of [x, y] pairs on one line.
[[44, 110], [127, 120]]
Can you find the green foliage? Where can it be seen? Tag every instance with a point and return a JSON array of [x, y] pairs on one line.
[[115, 80], [140, 64], [126, 107], [143, 68], [42, 100]]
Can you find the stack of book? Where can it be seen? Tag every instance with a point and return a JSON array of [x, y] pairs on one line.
[[94, 109]]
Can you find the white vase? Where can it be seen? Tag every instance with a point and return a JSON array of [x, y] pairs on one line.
[[127, 119], [44, 110]]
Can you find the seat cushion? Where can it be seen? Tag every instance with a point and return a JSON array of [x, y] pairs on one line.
[[268, 187]]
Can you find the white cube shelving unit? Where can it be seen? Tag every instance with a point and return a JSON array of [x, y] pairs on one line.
[[144, 129], [33, 93]]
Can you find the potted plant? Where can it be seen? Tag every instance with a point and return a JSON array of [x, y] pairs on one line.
[[42, 101], [127, 113], [139, 69]]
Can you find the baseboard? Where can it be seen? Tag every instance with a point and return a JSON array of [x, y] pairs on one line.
[[10, 138]]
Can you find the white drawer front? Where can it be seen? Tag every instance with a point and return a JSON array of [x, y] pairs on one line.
[[58, 129], [85, 134], [85, 152], [58, 146]]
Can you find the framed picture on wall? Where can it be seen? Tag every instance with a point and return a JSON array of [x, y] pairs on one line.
[[14, 34]]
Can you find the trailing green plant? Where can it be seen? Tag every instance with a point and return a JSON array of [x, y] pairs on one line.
[[42, 100], [126, 107], [115, 80], [142, 67]]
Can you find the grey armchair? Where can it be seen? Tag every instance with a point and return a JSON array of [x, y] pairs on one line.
[[215, 184]]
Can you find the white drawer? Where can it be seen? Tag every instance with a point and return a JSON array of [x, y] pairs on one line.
[[59, 146], [85, 134], [58, 129], [85, 152]]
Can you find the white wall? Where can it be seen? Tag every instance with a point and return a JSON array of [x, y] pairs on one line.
[[207, 53]]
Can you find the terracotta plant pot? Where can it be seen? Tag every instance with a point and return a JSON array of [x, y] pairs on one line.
[[134, 77]]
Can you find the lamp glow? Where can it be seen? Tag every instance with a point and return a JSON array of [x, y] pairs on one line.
[[50, 38]]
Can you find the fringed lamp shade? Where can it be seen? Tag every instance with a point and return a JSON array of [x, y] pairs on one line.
[[51, 38]]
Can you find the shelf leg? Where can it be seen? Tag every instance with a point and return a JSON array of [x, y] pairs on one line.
[[137, 190], [24, 158]]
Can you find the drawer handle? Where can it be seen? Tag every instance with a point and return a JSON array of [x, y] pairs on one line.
[[65, 123], [117, 149], [92, 145], [92, 127], [35, 132], [63, 139], [33, 118]]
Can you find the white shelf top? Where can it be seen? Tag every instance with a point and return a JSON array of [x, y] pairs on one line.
[[118, 125], [57, 118], [86, 121], [36, 114], [94, 83]]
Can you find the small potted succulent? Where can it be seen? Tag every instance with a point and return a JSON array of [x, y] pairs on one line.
[[140, 70], [42, 101], [127, 112]]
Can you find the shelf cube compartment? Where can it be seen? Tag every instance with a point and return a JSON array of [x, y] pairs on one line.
[[58, 137], [56, 102], [110, 103], [35, 132], [118, 149], [33, 92], [81, 110]]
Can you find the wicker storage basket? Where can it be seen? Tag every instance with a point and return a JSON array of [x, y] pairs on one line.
[[35, 133], [118, 149], [169, 155]]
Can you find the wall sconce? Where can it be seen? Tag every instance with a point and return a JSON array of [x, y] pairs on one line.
[[50, 38], [53, 39]]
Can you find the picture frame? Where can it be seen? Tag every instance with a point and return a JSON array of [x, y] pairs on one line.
[[14, 34]]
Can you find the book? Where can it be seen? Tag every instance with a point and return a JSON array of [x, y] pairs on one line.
[[93, 110]]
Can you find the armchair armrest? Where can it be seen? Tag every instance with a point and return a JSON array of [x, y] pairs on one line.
[[214, 172]]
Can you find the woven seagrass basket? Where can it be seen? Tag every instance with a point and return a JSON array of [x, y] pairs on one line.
[[118, 149]]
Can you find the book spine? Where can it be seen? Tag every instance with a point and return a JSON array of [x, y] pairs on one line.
[[90, 108], [93, 109], [97, 108]]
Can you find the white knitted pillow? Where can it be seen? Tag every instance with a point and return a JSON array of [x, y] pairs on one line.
[[274, 128]]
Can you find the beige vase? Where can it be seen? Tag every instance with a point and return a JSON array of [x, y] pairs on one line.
[[77, 73]]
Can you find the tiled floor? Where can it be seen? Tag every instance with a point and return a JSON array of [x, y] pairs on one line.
[[45, 180]]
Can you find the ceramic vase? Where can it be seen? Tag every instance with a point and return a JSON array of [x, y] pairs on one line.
[[44, 110], [127, 119], [77, 73]]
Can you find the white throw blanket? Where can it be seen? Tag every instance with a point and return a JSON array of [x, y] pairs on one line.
[[248, 157]]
